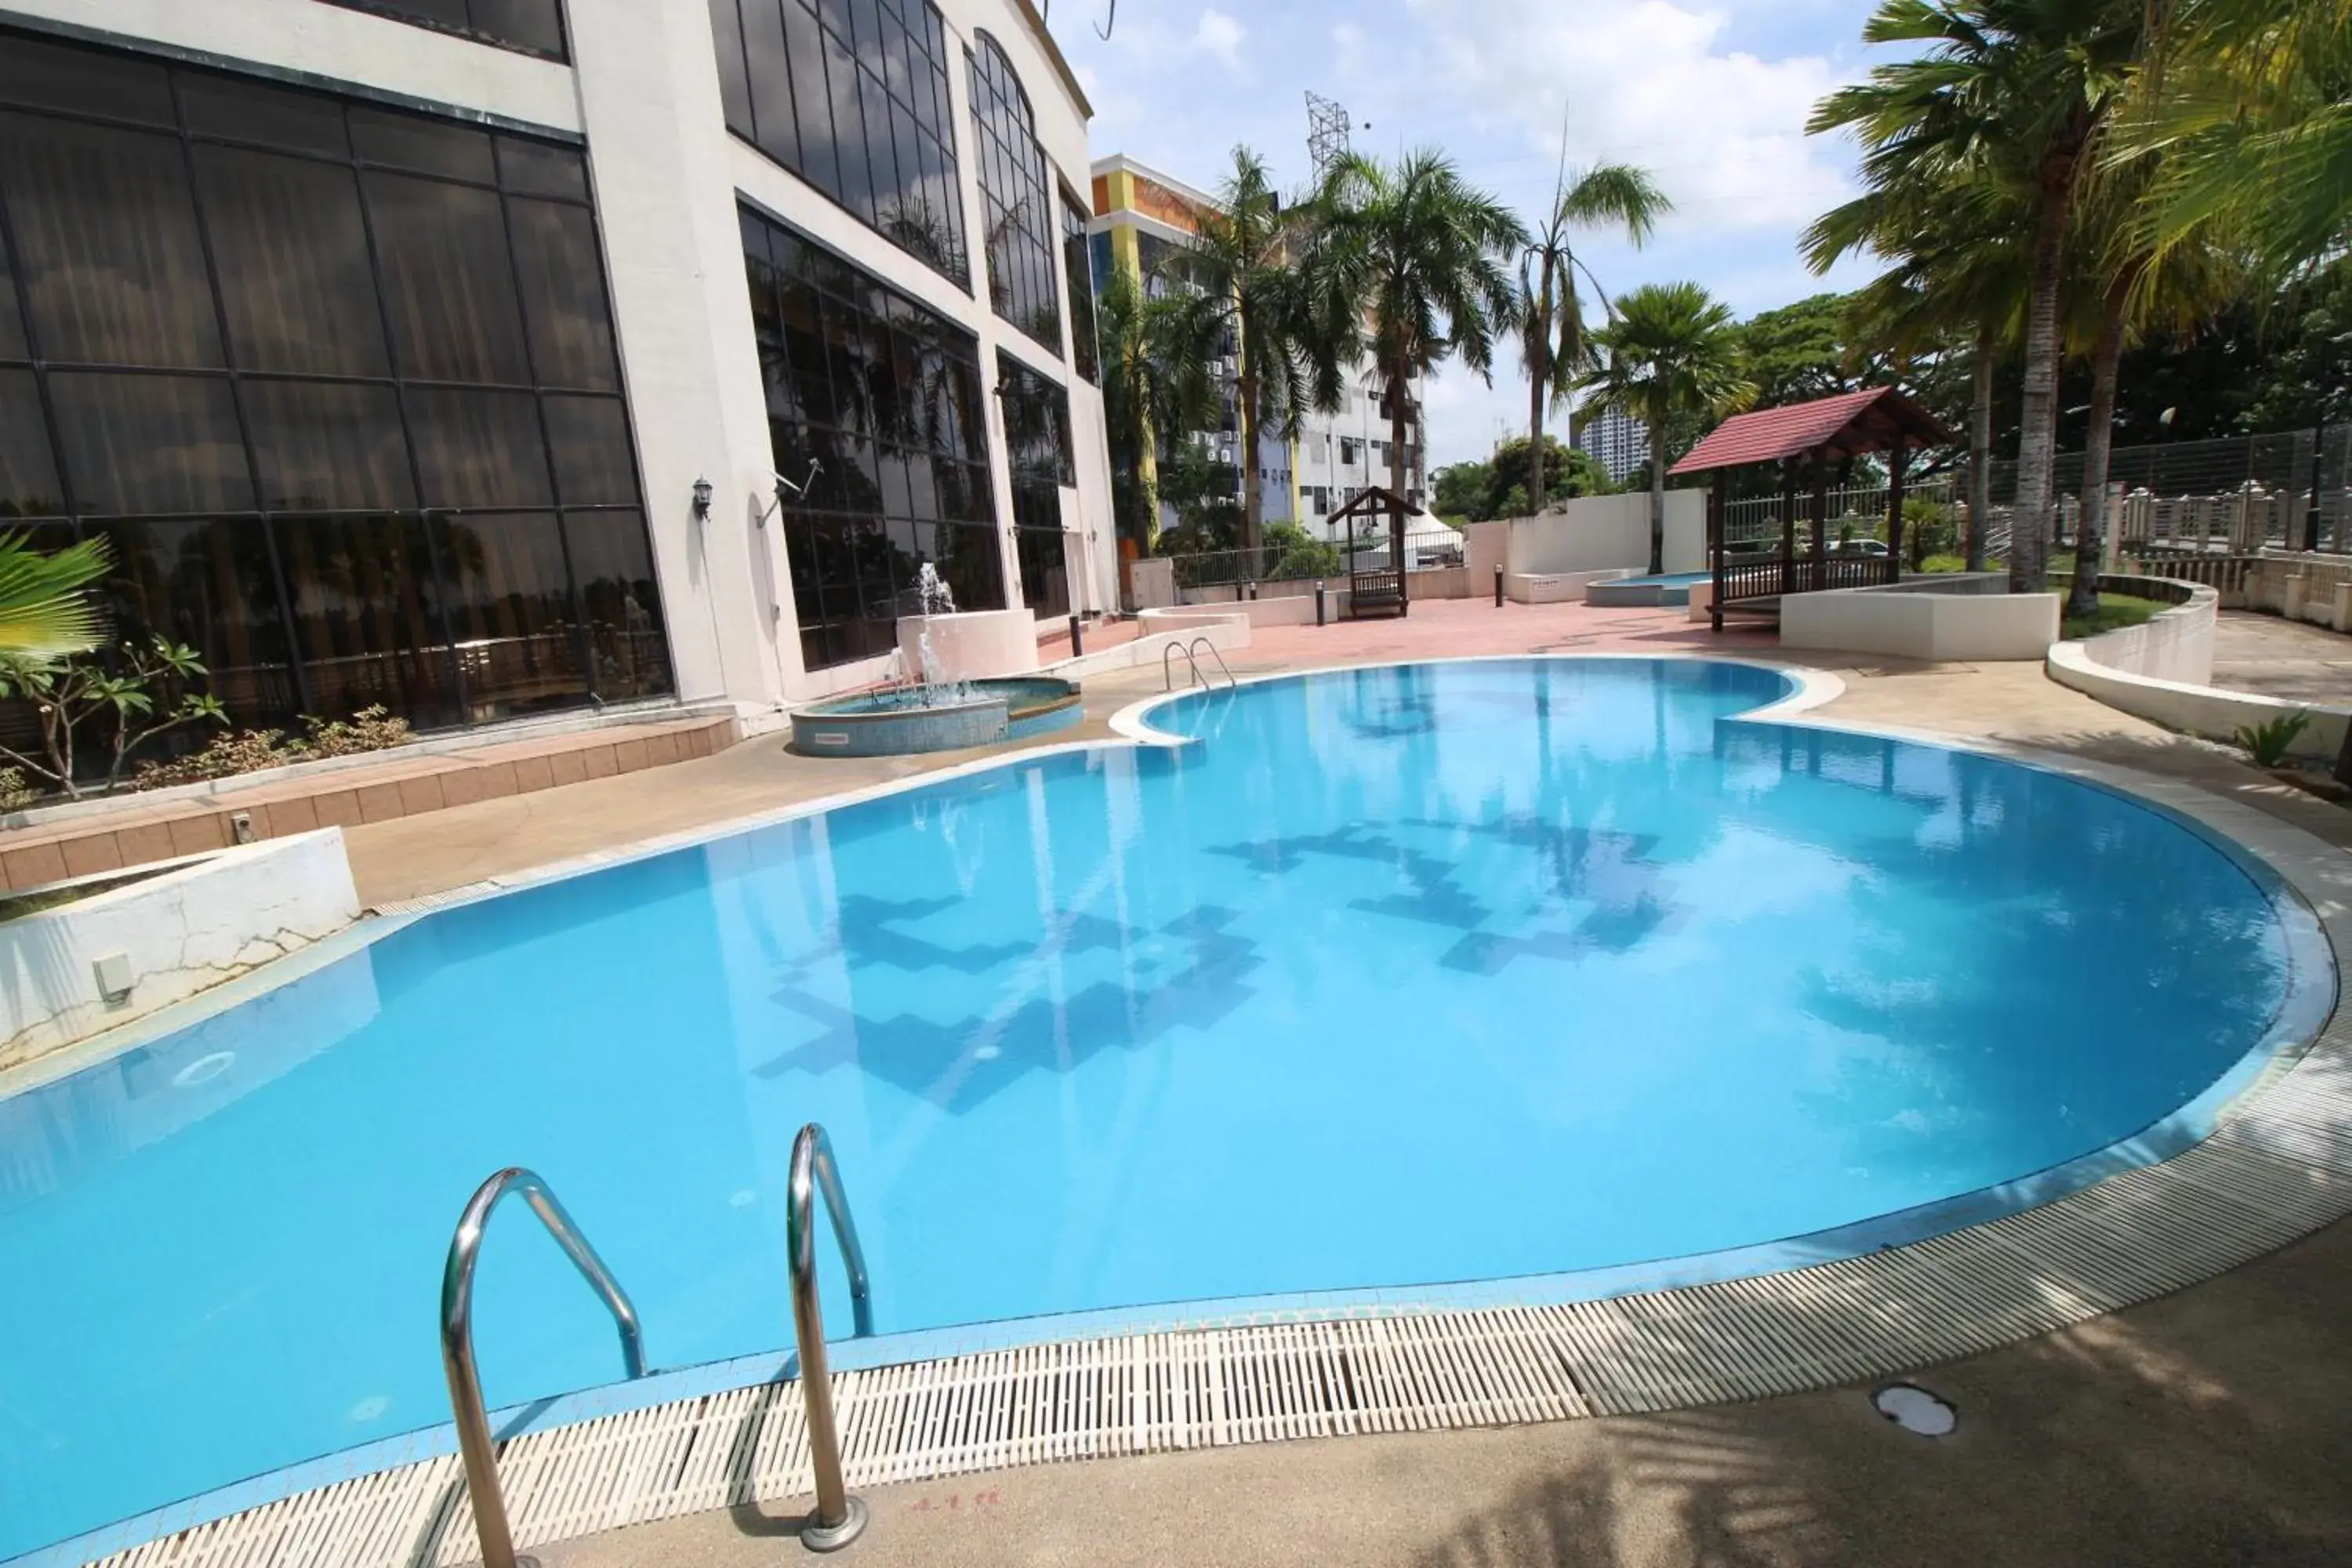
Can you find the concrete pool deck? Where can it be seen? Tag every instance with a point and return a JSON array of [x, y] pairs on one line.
[[2204, 1427]]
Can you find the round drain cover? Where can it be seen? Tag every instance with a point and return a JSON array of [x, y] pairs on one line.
[[1915, 1410]]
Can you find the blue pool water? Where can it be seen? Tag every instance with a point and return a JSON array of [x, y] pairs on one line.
[[1400, 976]]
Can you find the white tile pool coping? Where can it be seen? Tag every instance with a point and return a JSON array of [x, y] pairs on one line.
[[2262, 1159]]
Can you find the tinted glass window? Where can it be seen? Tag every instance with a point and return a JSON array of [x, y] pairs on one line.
[[1078, 276], [868, 385], [107, 239], [395, 313], [1037, 443], [531, 26], [1013, 193], [852, 99], [29, 472]]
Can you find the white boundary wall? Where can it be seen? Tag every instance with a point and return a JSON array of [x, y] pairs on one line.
[[2160, 671], [177, 934]]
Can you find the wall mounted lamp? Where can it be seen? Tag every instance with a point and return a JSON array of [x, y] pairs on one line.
[[702, 501]]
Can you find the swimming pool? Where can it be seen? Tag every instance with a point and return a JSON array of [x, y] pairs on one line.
[[1402, 976]]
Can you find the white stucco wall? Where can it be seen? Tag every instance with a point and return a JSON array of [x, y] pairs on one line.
[[2160, 671], [1596, 532], [182, 933], [1907, 621]]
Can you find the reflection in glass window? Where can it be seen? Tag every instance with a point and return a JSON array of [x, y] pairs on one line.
[[530, 26], [1037, 444], [885, 396], [212, 264], [853, 99], [1077, 269], [1013, 196]]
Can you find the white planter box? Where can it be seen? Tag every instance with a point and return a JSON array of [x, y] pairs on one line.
[[84, 967]]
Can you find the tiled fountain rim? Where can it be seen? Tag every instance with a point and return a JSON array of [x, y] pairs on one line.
[[2260, 1161]]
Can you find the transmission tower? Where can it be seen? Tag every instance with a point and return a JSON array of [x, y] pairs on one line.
[[1327, 133]]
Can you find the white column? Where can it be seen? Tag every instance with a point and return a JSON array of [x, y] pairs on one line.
[[658, 151]]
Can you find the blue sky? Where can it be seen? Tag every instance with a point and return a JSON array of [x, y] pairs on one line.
[[1711, 97]]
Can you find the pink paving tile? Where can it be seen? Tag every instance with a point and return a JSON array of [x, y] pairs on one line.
[[462, 787], [419, 795], [629, 757], [299, 815], [568, 767], [599, 762], [532, 774], [498, 780], [31, 867], [337, 808], [141, 842], [95, 852], [380, 803], [195, 834]]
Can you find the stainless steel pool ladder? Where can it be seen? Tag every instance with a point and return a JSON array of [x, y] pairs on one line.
[[838, 1517], [474, 1441], [1192, 657]]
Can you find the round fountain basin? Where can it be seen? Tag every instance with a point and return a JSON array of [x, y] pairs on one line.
[[908, 721]]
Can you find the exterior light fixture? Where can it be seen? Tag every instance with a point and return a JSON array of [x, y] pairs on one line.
[[702, 501]]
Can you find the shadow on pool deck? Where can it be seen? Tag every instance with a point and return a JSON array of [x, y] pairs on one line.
[[2206, 1428]]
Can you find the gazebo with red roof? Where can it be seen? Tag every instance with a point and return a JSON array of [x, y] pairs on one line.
[[1816, 437]]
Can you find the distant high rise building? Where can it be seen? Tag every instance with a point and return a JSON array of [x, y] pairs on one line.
[[1620, 443]]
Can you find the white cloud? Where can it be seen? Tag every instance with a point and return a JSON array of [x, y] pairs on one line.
[[1646, 83], [1219, 35]]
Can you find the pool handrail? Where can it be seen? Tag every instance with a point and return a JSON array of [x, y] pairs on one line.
[[1168, 653], [475, 1440], [838, 1518], [1202, 642]]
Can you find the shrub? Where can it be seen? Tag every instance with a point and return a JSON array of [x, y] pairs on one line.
[[2268, 743], [15, 793], [250, 751]]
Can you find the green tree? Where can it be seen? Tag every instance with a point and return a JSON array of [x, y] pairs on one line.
[[1554, 346], [1156, 392], [2128, 284], [1422, 256], [2251, 104], [1671, 353], [2021, 90], [1567, 474], [1204, 495], [1801, 351], [1459, 490], [1245, 261]]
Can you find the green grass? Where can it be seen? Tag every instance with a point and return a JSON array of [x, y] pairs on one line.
[[2114, 611]]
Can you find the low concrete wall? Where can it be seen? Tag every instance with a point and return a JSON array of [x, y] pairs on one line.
[[1227, 632], [1595, 533], [1959, 616], [1275, 610], [1154, 581], [1558, 587], [171, 936], [2303, 587], [971, 645], [2160, 671]]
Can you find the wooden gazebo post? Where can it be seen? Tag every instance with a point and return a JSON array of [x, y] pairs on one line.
[[1896, 462], [1820, 510]]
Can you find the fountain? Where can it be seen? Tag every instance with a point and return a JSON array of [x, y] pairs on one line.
[[939, 710]]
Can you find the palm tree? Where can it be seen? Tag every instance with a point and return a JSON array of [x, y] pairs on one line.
[[2130, 284], [1420, 256], [1156, 389], [1554, 346], [1245, 260], [2022, 88], [1960, 249], [2254, 121], [1671, 351], [43, 611]]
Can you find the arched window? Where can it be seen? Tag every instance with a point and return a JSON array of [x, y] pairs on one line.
[[1015, 198], [864, 121]]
